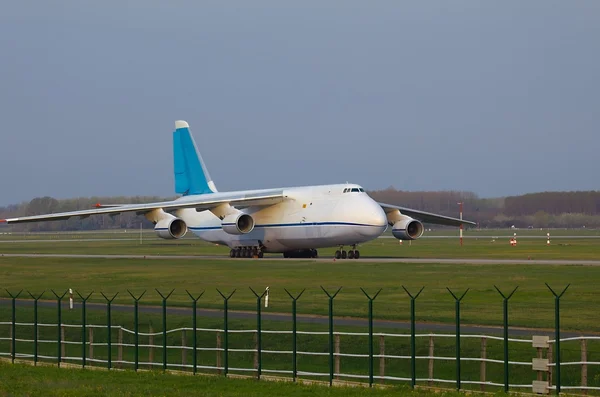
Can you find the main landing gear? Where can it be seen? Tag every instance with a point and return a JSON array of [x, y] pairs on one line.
[[351, 254], [246, 252]]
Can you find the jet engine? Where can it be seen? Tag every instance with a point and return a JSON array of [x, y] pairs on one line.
[[170, 227], [238, 223], [407, 228]]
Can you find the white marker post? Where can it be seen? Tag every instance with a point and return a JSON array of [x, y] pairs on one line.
[[461, 225], [70, 299], [267, 297]]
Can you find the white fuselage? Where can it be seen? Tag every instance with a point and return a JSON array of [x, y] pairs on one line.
[[309, 217]]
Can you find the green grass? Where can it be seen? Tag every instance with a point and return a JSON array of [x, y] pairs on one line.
[[531, 306], [484, 247], [24, 380], [554, 233]]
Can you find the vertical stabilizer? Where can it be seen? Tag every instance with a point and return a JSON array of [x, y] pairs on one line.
[[191, 175]]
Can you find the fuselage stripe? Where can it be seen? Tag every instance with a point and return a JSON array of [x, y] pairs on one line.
[[305, 224]]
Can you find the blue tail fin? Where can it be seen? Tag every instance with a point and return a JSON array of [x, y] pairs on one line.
[[191, 175]]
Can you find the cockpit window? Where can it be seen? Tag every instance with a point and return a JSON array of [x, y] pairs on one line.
[[354, 190]]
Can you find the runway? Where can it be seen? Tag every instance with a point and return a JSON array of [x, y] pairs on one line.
[[469, 261]]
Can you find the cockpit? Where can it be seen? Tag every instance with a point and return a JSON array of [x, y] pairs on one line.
[[354, 190]]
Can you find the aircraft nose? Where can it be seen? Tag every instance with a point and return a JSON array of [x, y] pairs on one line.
[[374, 216]]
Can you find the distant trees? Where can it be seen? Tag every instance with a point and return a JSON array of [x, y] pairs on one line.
[[45, 205], [442, 202], [539, 210], [554, 203]]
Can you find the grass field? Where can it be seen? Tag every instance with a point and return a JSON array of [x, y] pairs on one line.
[[484, 247], [531, 306], [24, 380]]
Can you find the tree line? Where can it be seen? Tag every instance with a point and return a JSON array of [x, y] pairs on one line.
[[46, 205], [539, 210]]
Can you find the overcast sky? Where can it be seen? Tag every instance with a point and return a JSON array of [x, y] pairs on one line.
[[494, 97]]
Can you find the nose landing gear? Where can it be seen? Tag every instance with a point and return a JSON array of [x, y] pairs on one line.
[[351, 254]]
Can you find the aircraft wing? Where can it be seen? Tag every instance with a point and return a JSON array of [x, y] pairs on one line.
[[427, 217], [199, 202]]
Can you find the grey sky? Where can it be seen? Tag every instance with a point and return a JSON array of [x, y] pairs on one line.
[[495, 97]]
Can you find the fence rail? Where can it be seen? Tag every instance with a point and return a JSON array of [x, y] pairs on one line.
[[337, 354]]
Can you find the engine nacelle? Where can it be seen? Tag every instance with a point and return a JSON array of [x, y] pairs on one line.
[[407, 229], [238, 223], [170, 227]]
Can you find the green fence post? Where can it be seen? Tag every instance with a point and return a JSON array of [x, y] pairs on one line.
[[258, 331], [194, 328], [294, 334], [457, 307], [83, 325], [136, 328], [35, 325], [413, 349], [505, 310], [226, 329], [109, 327], [164, 318], [370, 333], [59, 323], [331, 297], [557, 332], [14, 321]]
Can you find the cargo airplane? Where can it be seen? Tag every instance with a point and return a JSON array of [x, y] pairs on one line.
[[294, 221]]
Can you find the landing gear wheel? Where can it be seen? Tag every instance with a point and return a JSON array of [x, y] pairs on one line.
[[248, 252], [238, 252], [350, 254], [338, 254], [260, 254], [315, 253], [255, 252], [344, 254], [232, 253], [356, 254]]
